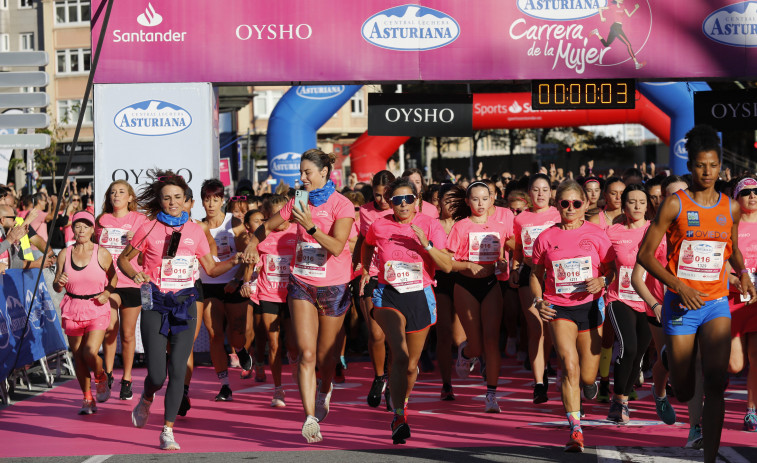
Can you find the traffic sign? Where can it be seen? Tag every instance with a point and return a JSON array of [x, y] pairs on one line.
[[30, 121], [36, 141], [23, 79], [24, 100], [24, 58]]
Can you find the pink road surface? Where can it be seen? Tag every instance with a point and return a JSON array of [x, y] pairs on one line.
[[249, 424]]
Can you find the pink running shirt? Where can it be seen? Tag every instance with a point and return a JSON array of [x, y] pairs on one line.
[[570, 257], [528, 225], [480, 243], [505, 216], [91, 280], [625, 244], [748, 248], [429, 210], [110, 233], [276, 258], [312, 263], [406, 265]]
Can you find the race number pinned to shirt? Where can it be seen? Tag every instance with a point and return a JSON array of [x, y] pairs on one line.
[[528, 236], [310, 260], [701, 260], [405, 277], [177, 273], [277, 268], [626, 291], [223, 244], [483, 246], [571, 274], [114, 240]]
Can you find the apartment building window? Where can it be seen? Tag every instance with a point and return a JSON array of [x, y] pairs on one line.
[[75, 60], [26, 41], [72, 11], [5, 42], [68, 112], [357, 104], [25, 3], [3, 4], [264, 102]]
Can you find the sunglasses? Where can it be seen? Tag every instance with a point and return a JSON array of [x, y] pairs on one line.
[[239, 198], [408, 199], [576, 203], [357, 208], [516, 211], [8, 217], [747, 191], [163, 178], [507, 179], [173, 245]]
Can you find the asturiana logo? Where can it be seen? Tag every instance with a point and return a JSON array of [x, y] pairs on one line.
[[561, 10], [410, 28], [285, 164], [149, 18], [319, 92], [152, 118], [679, 149], [734, 25]]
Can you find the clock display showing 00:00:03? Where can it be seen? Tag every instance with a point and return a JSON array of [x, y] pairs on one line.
[[583, 94]]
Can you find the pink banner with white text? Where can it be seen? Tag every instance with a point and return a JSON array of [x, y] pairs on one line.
[[313, 41]]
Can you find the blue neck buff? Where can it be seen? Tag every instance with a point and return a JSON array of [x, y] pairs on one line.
[[171, 220], [321, 195]]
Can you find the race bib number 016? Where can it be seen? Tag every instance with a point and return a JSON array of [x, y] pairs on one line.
[[177, 273], [405, 277], [701, 260], [483, 246], [310, 260], [571, 275]]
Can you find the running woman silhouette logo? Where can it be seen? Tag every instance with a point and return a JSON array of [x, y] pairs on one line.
[[149, 18], [620, 14]]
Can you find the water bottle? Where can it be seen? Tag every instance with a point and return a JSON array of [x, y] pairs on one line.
[[145, 291]]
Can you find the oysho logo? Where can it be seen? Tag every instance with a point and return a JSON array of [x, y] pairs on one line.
[[285, 164], [561, 10], [152, 118], [319, 92], [149, 18], [679, 149], [410, 28], [734, 25]]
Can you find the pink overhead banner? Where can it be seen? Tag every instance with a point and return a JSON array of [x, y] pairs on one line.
[[296, 41]]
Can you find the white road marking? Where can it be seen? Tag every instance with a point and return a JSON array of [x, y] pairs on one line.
[[97, 458], [662, 455]]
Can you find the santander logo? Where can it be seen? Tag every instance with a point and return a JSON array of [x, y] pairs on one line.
[[149, 18]]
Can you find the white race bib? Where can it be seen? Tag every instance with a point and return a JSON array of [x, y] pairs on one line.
[[253, 284], [310, 260], [405, 277], [114, 240], [701, 260], [223, 246], [277, 268], [625, 289], [571, 275], [177, 273], [483, 246], [528, 236]]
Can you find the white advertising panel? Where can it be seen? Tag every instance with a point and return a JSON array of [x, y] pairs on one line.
[[144, 127]]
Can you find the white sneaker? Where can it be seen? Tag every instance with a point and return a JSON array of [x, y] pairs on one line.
[[464, 366], [103, 391], [511, 348], [322, 402], [594, 32], [491, 403], [311, 430], [167, 442], [278, 398], [88, 407], [141, 412]]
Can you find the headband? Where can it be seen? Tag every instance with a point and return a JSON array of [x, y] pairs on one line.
[[744, 182], [475, 184]]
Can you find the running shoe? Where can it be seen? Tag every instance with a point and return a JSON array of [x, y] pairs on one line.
[[233, 360], [540, 393], [511, 347], [184, 406], [278, 398], [590, 391], [311, 430], [388, 400], [377, 388], [750, 422], [259, 372], [447, 393], [603, 396], [665, 411], [464, 366], [339, 373], [245, 360], [322, 402], [616, 412], [576, 442], [125, 393], [491, 403], [246, 374], [224, 395], [88, 407], [400, 429], [695, 438], [167, 442], [103, 390], [141, 412]]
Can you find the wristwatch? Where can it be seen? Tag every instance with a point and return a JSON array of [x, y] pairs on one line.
[[430, 246], [311, 231], [536, 301]]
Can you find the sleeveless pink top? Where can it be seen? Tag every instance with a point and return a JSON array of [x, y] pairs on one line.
[[90, 280]]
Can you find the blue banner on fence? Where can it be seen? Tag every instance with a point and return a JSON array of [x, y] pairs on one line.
[[43, 334]]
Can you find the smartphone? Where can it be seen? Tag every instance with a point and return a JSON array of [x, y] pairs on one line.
[[272, 181], [301, 197]]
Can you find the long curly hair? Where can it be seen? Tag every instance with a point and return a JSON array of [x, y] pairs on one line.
[[149, 195]]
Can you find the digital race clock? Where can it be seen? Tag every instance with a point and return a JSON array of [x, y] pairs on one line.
[[583, 94]]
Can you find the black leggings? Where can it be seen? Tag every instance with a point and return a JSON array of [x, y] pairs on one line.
[[155, 356], [633, 334]]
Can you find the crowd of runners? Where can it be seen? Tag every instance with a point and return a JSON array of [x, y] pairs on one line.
[[537, 262]]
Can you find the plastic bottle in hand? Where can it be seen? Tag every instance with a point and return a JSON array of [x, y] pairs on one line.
[[145, 291]]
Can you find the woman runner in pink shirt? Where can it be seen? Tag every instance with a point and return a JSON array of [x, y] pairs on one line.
[[114, 230], [404, 304], [318, 289], [573, 261]]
